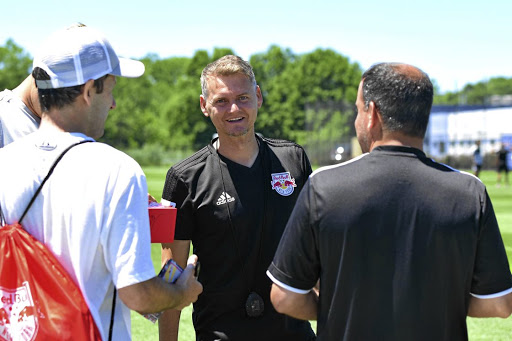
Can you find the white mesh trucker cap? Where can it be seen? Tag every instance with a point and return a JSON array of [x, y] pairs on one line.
[[75, 55]]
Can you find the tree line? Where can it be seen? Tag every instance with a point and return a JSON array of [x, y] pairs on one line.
[[480, 93], [308, 98]]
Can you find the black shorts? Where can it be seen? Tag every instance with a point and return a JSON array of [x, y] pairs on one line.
[[502, 166]]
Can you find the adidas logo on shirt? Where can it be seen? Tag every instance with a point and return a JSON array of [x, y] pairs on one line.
[[224, 198]]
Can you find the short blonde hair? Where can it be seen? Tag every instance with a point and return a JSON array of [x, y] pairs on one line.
[[226, 66]]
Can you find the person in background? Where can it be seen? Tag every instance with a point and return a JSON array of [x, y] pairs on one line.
[[92, 213], [234, 197], [501, 164], [20, 112], [405, 248], [478, 159]]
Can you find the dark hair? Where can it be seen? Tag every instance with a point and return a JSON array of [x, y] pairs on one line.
[[402, 94], [61, 97]]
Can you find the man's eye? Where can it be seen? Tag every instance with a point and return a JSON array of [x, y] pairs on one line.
[[243, 98], [220, 101]]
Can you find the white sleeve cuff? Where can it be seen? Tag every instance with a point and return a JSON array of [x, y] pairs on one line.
[[285, 286], [499, 294]]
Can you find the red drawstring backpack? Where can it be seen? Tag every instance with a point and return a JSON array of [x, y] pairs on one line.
[[39, 300]]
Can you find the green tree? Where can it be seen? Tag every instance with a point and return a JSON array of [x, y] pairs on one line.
[[15, 65], [320, 80], [269, 65], [197, 64], [168, 70], [134, 122], [499, 86], [476, 94], [219, 52], [186, 125]]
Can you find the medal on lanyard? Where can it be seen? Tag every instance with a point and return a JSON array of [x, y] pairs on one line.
[[254, 305]]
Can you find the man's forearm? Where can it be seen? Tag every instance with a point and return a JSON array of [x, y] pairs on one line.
[[308, 308], [168, 325], [155, 294], [152, 296]]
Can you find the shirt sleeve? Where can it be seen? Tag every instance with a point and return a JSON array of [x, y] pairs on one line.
[[306, 164], [296, 265], [177, 191], [129, 241], [491, 274], [1, 135]]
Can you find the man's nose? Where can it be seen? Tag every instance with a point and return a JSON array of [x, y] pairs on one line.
[[234, 107]]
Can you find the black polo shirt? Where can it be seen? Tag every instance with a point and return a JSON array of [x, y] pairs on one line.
[[398, 242], [221, 203]]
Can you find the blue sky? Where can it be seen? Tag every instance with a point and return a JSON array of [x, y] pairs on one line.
[[455, 42]]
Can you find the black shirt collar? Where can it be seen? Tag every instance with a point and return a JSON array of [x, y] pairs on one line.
[[399, 149]]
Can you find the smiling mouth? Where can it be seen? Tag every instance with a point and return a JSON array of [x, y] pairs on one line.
[[237, 119]]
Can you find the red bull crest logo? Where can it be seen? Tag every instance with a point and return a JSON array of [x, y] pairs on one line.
[[283, 183], [18, 320]]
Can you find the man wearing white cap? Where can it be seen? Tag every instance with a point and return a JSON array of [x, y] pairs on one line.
[[92, 212]]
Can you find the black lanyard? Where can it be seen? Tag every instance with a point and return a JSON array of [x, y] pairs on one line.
[[254, 304]]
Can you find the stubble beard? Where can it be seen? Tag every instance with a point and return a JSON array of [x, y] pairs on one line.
[[239, 133]]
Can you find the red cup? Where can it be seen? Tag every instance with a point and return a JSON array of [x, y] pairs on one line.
[[162, 221]]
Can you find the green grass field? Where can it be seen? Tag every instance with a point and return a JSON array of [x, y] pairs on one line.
[[479, 329]]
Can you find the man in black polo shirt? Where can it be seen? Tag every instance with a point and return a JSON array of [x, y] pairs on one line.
[[404, 248], [234, 198]]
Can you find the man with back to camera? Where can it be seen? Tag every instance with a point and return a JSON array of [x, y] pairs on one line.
[[234, 197], [92, 212], [405, 248], [20, 112]]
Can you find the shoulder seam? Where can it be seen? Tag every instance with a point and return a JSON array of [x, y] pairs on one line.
[[281, 143], [319, 170], [195, 158]]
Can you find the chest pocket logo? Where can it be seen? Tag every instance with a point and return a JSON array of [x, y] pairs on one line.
[[224, 199], [283, 183]]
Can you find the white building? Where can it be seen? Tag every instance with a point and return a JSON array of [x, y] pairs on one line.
[[453, 130]]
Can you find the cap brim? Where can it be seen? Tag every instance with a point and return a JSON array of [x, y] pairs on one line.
[[129, 68]]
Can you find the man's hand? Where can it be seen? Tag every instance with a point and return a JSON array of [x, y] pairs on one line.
[[187, 283]]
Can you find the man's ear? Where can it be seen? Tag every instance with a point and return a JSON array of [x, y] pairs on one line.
[[202, 103], [89, 91], [374, 118], [259, 96]]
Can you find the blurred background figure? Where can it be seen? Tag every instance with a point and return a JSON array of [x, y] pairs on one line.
[[477, 159], [501, 164]]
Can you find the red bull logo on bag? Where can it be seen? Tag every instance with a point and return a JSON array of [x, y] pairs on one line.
[[283, 183], [18, 320]]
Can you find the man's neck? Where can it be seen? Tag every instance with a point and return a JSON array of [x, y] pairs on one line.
[[241, 149], [27, 92], [69, 118], [398, 139]]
